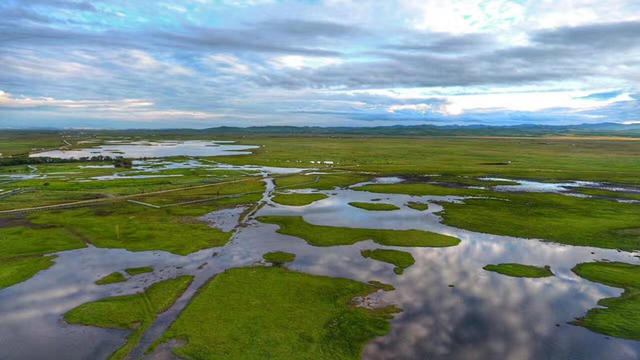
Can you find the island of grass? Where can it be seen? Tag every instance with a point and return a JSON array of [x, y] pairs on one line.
[[17, 270], [295, 199], [551, 217], [279, 257], [520, 270], [418, 206], [139, 270], [620, 316], [401, 259], [274, 313], [318, 235], [421, 190], [374, 206], [321, 182], [130, 312], [114, 277]]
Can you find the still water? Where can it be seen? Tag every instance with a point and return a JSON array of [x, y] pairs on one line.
[[453, 309], [147, 149]]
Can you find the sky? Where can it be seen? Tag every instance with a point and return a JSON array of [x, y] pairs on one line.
[[208, 63]]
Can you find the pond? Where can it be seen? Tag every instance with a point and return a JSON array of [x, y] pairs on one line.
[[153, 149]]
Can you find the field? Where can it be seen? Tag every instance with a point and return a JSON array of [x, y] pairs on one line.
[[294, 251]]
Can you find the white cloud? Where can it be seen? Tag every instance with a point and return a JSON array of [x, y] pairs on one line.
[[420, 108], [467, 16], [300, 62], [142, 61], [9, 101], [571, 101], [229, 64], [131, 109]]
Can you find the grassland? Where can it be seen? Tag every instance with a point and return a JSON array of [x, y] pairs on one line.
[[279, 257], [295, 199], [520, 270], [114, 277], [609, 194], [620, 316], [67, 182], [139, 270], [121, 224], [567, 158], [321, 182], [421, 190], [401, 259], [274, 313], [551, 217], [17, 270], [318, 235], [418, 206], [130, 312], [374, 206]]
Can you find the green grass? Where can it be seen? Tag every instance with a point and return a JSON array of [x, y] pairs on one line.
[[72, 185], [274, 313], [401, 259], [139, 270], [17, 270], [421, 190], [520, 270], [418, 206], [551, 217], [114, 277], [25, 240], [318, 235], [620, 316], [295, 199], [374, 206], [531, 158], [279, 257], [131, 226], [325, 181], [608, 193], [130, 312]]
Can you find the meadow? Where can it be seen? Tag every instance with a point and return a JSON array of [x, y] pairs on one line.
[[284, 296]]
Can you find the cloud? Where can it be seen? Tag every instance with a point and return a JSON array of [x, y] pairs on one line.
[[142, 61], [420, 108], [9, 101], [229, 64], [338, 62]]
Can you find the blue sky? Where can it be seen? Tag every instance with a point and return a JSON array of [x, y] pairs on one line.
[[207, 63]]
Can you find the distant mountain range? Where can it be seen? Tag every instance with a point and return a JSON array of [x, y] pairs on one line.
[[526, 130]]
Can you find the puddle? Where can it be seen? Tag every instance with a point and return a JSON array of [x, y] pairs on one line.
[[536, 186], [483, 316], [379, 181], [137, 150], [225, 219]]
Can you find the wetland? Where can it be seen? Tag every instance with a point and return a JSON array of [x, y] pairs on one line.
[[262, 248]]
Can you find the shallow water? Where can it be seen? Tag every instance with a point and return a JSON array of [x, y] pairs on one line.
[[138, 150], [484, 316]]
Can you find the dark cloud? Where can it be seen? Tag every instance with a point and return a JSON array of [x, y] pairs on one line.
[[445, 43], [611, 36], [60, 4]]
